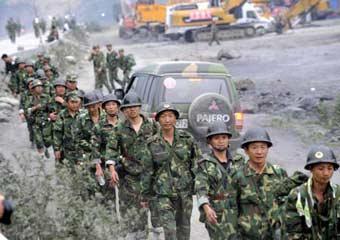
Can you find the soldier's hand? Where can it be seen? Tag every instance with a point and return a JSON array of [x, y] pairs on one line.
[[114, 176], [36, 107], [210, 214], [99, 170], [59, 100], [57, 155]]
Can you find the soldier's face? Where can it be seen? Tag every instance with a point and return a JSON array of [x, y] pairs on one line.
[[60, 90], [257, 152], [121, 54], [93, 108], [29, 69], [73, 105], [109, 48], [111, 108], [219, 142], [38, 90], [167, 120], [21, 66], [131, 112], [48, 73], [322, 172], [71, 85]]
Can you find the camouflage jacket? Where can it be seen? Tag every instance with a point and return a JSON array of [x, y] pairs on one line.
[[254, 210], [111, 60], [212, 180], [101, 133], [171, 168], [20, 80], [98, 61], [54, 106], [86, 129], [306, 218], [40, 115], [128, 149], [126, 62], [65, 135]]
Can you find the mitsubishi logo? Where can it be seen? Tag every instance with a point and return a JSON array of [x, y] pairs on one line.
[[213, 106]]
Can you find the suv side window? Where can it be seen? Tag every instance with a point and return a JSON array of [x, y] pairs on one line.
[[138, 85]]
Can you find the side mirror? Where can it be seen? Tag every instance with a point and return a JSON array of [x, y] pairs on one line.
[[119, 93]]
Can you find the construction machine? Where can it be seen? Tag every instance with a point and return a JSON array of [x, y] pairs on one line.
[[144, 17], [234, 18], [298, 11]]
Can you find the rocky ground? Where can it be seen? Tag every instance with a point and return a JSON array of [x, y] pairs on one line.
[[285, 83]]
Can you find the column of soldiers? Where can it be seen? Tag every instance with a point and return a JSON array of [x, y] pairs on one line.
[[159, 168], [106, 67], [13, 29]]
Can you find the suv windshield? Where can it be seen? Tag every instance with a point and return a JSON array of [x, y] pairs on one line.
[[185, 90]]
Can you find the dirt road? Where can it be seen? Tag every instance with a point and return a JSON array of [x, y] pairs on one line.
[[295, 62]]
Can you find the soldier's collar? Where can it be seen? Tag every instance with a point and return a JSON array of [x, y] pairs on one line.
[[267, 169]]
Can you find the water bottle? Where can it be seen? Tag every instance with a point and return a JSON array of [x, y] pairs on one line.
[[101, 180]]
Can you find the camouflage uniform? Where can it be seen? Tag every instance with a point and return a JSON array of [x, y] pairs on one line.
[[214, 34], [306, 218], [86, 131], [65, 136], [41, 133], [128, 149], [11, 29], [20, 76], [101, 134], [254, 210], [112, 67], [171, 178], [99, 66], [211, 188], [24, 102], [126, 63]]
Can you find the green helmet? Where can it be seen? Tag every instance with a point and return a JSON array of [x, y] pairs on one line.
[[218, 128], [19, 60], [110, 98], [37, 83], [41, 74], [90, 98], [166, 107], [59, 82], [29, 80], [29, 63], [320, 154], [256, 135], [131, 100], [71, 77], [73, 95]]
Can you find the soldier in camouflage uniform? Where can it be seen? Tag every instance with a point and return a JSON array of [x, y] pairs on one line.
[[47, 63], [211, 181], [39, 64], [66, 132], [71, 82], [126, 154], [313, 209], [23, 110], [125, 63], [112, 65], [87, 121], [99, 66], [20, 76], [171, 165], [47, 85], [37, 110], [253, 208], [214, 33], [11, 29], [103, 130]]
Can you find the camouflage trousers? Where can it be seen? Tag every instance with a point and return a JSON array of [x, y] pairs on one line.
[[101, 80], [126, 78], [113, 77], [134, 217], [175, 214], [29, 122], [42, 134], [222, 230], [214, 38]]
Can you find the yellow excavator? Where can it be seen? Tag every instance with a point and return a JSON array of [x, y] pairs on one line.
[[144, 17], [298, 11], [234, 18]]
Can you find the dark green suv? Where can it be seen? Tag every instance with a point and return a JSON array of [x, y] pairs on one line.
[[203, 92]]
